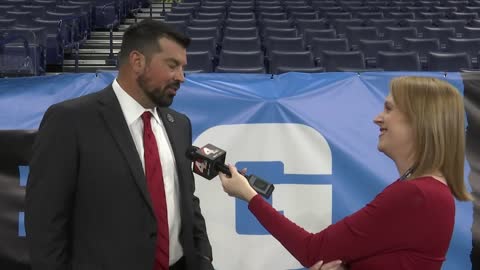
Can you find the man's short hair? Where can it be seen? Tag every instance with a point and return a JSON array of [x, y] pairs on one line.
[[144, 36]]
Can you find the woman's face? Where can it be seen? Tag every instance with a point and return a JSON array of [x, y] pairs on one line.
[[396, 133]]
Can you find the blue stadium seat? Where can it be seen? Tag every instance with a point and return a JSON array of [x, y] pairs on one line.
[[22, 17], [339, 61], [269, 8], [199, 62], [35, 11], [272, 15], [370, 15], [241, 44], [206, 23], [276, 24], [241, 15], [419, 24], [241, 62], [23, 52], [355, 34], [309, 34], [471, 46], [304, 24], [207, 44], [55, 31], [442, 33], [212, 9], [107, 14], [327, 44], [284, 44], [313, 15], [370, 48], [185, 17], [380, 24], [239, 23], [465, 15], [441, 61], [281, 62], [472, 32], [299, 8], [401, 15], [82, 16], [7, 22], [397, 34], [278, 32], [183, 10], [458, 24], [422, 46], [241, 9], [71, 25], [341, 25], [192, 31], [240, 32], [398, 61], [4, 8], [87, 6], [332, 16], [432, 15]]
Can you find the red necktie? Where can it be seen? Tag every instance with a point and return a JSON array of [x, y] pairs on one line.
[[154, 176]]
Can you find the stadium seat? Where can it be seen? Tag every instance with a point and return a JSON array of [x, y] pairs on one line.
[[398, 61]]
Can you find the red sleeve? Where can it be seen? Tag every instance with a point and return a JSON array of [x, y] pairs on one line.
[[383, 224]]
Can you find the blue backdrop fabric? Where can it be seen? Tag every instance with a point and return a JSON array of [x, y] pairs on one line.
[[335, 110]]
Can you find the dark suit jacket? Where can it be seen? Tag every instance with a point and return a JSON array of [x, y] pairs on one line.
[[87, 204]]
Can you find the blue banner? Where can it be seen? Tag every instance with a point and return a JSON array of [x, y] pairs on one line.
[[312, 135]]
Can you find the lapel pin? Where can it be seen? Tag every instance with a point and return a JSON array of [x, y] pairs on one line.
[[170, 118]]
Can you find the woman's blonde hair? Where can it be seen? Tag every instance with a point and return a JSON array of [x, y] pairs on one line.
[[435, 109]]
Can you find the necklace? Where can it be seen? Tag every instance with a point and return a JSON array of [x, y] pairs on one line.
[[407, 174]]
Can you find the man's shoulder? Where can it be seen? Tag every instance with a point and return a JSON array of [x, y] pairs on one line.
[[82, 102]]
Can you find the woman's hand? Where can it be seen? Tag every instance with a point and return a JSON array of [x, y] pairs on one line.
[[333, 265], [237, 185]]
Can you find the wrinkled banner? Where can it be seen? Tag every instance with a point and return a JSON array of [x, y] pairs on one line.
[[311, 135]]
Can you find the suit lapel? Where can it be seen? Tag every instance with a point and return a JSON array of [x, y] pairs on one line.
[[173, 130], [115, 121]]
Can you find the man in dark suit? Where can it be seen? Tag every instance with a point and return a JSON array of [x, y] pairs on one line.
[[110, 186]]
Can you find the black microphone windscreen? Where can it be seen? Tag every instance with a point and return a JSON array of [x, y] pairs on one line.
[[190, 153]]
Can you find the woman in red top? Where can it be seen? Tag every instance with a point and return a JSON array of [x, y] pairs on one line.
[[409, 224]]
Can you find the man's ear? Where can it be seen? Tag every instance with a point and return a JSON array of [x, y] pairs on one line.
[[137, 61]]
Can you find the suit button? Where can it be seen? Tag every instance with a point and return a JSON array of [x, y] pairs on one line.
[[153, 235]]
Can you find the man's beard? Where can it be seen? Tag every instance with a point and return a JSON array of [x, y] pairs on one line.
[[158, 96]]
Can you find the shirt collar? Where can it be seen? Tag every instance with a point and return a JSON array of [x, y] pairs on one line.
[[132, 110]]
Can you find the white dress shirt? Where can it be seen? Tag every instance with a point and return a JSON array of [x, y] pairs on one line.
[[132, 111]]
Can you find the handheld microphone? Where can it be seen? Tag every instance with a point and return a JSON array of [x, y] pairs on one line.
[[209, 160]]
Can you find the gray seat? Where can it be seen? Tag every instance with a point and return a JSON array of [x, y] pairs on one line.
[[397, 34], [241, 43], [442, 33], [309, 34], [339, 61], [197, 62], [355, 34], [422, 46], [398, 61], [286, 44], [471, 46], [281, 62], [441, 61], [328, 44], [241, 62], [370, 48]]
